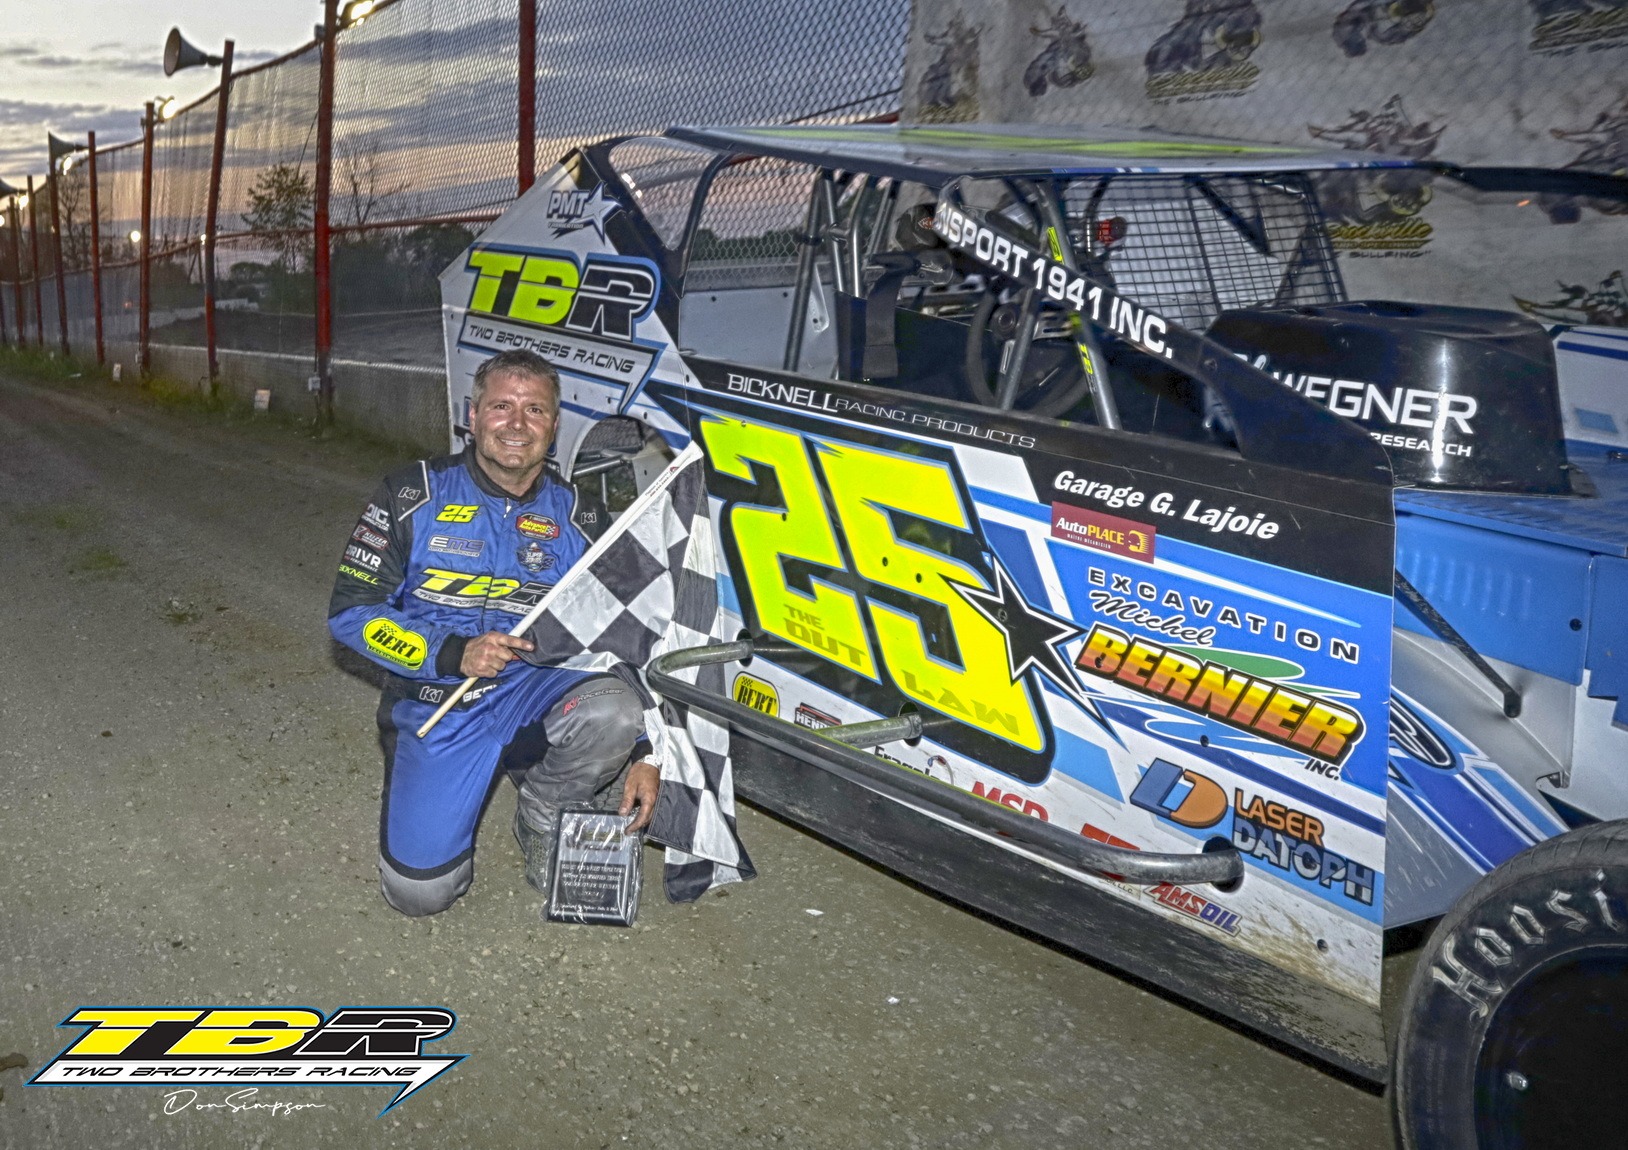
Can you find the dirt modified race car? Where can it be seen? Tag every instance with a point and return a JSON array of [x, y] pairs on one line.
[[1090, 558]]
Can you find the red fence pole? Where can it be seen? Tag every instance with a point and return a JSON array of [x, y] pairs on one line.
[[526, 125], [143, 348], [319, 215], [17, 264], [34, 265], [216, 159], [96, 255], [56, 259]]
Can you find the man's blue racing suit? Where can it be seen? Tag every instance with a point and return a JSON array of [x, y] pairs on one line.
[[440, 555]]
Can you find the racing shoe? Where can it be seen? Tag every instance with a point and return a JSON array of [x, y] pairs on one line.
[[538, 847]]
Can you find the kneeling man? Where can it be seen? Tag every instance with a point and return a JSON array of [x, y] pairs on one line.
[[444, 560]]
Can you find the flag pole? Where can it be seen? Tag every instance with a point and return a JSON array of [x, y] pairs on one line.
[[651, 494]]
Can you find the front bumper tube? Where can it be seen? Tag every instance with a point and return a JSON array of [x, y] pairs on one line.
[[835, 749]]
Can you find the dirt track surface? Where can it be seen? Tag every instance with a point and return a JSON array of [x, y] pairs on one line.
[[189, 813]]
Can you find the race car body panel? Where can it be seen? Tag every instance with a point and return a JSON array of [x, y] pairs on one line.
[[1162, 612]]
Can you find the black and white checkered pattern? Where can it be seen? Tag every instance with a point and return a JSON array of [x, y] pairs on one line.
[[647, 587]]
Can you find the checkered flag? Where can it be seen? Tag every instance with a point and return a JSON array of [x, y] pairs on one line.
[[647, 587]]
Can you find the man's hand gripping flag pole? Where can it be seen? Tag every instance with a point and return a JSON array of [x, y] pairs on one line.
[[652, 494]]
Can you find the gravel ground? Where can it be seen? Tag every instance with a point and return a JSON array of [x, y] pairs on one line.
[[189, 818]]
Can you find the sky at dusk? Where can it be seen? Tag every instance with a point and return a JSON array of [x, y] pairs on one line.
[[72, 66]]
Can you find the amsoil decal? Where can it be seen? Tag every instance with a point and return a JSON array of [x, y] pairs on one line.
[[1376, 212], [1205, 54], [580, 315], [1195, 906], [256, 1046], [1103, 532], [1263, 707]]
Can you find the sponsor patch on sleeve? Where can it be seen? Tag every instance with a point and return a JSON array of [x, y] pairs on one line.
[[398, 645]]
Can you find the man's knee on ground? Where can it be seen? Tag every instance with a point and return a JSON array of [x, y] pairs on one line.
[[603, 718], [417, 897]]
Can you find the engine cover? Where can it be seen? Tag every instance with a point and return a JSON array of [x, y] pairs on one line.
[[1460, 397]]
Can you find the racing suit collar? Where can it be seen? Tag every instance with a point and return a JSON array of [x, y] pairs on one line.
[[488, 487]]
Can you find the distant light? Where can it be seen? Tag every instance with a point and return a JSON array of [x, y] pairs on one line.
[[203, 237], [22, 202], [67, 162], [1522, 203], [169, 108], [357, 11], [135, 235]]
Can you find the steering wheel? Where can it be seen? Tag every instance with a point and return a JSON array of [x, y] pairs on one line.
[[1048, 391]]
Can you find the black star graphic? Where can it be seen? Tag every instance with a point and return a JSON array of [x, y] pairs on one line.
[[1032, 636]]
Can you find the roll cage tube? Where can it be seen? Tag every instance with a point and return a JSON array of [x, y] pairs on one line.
[[833, 749], [1273, 425]]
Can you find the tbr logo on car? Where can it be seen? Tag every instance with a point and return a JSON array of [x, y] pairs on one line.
[[388, 641], [581, 317], [252, 1046]]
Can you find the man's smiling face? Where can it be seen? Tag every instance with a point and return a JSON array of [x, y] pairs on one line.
[[513, 425]]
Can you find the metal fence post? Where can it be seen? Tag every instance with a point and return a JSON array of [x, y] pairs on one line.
[[56, 259], [96, 254], [211, 213], [17, 267], [143, 348], [526, 125], [319, 215], [34, 265]]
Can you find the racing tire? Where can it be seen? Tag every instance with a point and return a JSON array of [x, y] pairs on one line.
[[1514, 1031]]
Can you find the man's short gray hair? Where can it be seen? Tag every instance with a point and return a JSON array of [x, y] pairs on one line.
[[517, 361]]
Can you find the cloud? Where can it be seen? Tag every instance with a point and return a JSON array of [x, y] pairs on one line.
[[104, 58]]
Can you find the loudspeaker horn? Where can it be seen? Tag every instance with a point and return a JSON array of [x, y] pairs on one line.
[[7, 191], [179, 54], [60, 147]]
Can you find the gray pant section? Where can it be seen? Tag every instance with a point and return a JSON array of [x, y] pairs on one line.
[[590, 734], [417, 897]]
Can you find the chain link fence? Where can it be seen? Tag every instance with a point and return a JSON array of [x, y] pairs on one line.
[[427, 119]]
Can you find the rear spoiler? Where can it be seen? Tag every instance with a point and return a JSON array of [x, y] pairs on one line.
[[1538, 181]]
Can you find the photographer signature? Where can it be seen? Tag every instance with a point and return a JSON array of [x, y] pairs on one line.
[[238, 1100]]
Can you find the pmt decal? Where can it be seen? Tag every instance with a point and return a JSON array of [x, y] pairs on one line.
[[582, 317], [537, 526], [1316, 727], [255, 1045], [397, 644], [572, 210], [757, 694]]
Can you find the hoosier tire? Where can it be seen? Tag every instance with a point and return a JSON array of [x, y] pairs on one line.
[[1514, 1032]]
